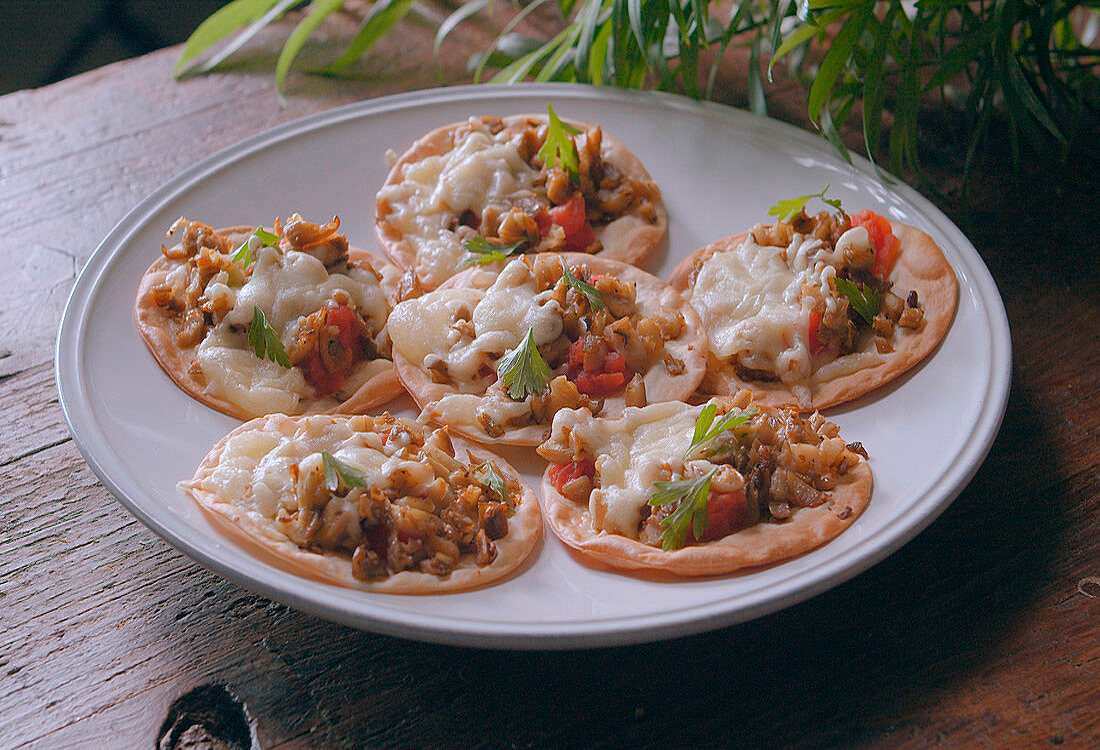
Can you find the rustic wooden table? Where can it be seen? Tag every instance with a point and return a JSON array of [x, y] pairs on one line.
[[984, 631]]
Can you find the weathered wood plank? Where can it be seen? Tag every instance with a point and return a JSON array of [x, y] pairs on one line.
[[975, 634]]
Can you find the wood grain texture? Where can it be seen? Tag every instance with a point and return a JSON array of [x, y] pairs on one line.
[[975, 634]]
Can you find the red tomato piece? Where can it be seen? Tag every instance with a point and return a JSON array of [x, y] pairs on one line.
[[816, 347], [725, 515], [610, 376], [615, 362], [563, 474], [572, 218], [323, 381], [886, 245], [579, 242]]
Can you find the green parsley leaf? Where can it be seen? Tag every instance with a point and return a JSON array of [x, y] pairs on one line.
[[559, 148], [337, 471], [523, 371], [703, 431], [244, 255], [863, 299], [595, 299], [791, 207], [481, 251], [264, 341], [489, 477], [690, 497]]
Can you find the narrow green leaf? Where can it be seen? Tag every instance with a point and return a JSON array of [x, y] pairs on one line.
[[828, 128], [518, 70], [804, 34], [701, 15], [383, 16], [219, 25], [1030, 100], [959, 57], [872, 83], [703, 423], [508, 28], [337, 471], [595, 299], [598, 57], [453, 21], [634, 14], [250, 31], [561, 58], [758, 102], [319, 10], [840, 50], [779, 10], [587, 17]]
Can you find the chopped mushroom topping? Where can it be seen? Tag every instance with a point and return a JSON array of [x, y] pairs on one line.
[[430, 512]]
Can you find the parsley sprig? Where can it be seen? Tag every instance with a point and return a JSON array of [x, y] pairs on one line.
[[480, 251], [244, 253], [523, 371], [704, 432], [595, 299], [863, 299], [264, 341], [559, 148], [791, 207], [489, 477], [690, 495], [337, 471]]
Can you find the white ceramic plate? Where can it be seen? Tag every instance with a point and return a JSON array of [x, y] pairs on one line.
[[719, 169]]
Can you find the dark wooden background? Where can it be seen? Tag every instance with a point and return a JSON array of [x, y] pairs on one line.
[[981, 632]]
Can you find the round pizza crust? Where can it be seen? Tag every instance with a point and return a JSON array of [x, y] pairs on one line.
[[262, 537], [629, 239], [921, 266], [652, 292], [760, 544], [155, 326]]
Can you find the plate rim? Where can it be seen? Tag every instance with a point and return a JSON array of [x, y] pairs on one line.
[[554, 635]]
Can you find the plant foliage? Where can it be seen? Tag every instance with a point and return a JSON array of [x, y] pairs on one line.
[[1029, 66]]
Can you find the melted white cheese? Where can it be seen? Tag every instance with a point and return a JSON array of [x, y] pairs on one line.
[[501, 316], [253, 473], [751, 302], [481, 169], [286, 287], [630, 452]]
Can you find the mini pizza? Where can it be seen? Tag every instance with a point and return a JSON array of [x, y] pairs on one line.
[[700, 490], [477, 191], [369, 502], [816, 311], [253, 322], [494, 357]]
